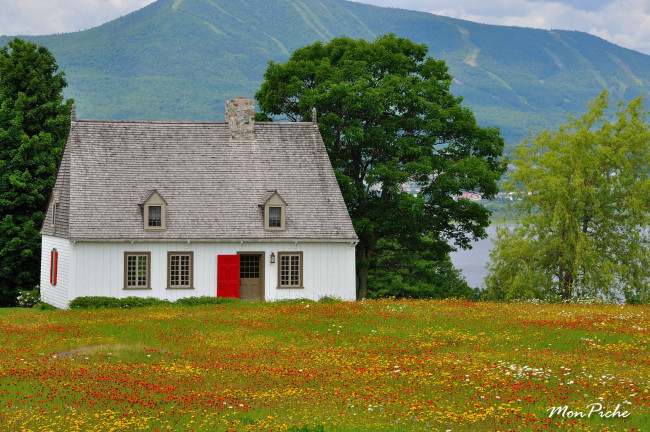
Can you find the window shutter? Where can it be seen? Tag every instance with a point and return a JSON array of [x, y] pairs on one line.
[[54, 261]]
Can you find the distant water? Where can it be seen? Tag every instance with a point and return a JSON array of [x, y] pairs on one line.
[[472, 262]]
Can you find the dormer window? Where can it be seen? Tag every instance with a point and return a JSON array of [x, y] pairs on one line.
[[154, 212], [275, 213], [155, 216], [275, 217]]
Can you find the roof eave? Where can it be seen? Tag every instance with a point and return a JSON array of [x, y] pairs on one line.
[[354, 240]]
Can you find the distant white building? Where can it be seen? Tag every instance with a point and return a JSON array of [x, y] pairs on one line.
[[182, 209]]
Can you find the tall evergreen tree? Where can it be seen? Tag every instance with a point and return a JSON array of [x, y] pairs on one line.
[[34, 123], [387, 118]]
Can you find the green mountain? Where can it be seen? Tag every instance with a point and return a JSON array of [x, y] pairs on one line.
[[181, 59]]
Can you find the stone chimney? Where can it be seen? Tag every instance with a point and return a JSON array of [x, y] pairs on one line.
[[240, 115]]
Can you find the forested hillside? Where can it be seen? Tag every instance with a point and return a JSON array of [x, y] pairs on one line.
[[181, 59]]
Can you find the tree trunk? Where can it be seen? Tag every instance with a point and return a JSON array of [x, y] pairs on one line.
[[566, 283], [364, 254], [362, 282]]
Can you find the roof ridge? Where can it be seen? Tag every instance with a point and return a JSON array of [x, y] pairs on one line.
[[189, 122], [147, 121]]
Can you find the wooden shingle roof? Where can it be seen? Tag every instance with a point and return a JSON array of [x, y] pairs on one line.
[[212, 184]]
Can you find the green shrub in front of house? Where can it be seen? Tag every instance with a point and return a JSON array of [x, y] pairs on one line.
[[98, 302], [94, 303], [111, 302]]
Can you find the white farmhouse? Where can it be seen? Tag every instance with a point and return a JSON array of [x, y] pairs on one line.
[[182, 209]]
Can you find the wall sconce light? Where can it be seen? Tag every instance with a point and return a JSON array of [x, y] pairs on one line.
[[272, 257]]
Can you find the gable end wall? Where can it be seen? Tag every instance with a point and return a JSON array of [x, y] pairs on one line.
[[56, 295]]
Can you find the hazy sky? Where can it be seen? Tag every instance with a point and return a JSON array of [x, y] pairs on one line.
[[624, 22]]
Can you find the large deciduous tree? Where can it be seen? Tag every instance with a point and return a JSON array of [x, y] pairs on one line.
[[387, 118], [585, 211], [34, 122]]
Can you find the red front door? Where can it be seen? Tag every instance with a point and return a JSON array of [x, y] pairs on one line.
[[228, 276]]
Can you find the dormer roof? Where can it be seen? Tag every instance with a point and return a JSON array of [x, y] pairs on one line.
[[270, 194], [152, 194]]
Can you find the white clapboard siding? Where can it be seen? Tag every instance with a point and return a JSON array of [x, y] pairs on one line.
[[328, 269], [56, 295]]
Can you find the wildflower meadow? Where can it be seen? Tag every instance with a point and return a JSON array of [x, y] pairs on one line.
[[384, 365]]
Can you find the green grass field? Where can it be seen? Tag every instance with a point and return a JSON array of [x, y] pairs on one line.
[[352, 366]]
